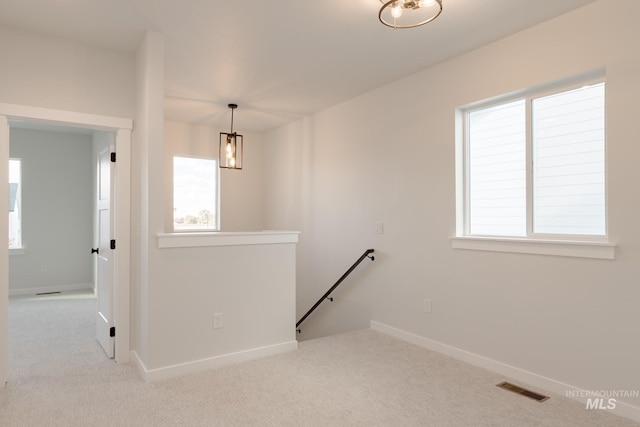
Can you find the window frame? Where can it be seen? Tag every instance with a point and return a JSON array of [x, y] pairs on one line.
[[595, 246], [217, 194], [467, 160]]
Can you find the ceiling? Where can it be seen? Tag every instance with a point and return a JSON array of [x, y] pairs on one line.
[[279, 60]]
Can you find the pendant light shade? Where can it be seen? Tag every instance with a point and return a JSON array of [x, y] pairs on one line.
[[231, 147]]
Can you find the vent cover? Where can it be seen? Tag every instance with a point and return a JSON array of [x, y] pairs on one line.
[[523, 391]]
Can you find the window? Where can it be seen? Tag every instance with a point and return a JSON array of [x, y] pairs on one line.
[[534, 167], [15, 204], [195, 194]]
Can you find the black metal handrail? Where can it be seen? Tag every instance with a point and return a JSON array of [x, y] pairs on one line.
[[366, 254]]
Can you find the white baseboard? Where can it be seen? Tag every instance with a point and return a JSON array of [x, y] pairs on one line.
[[139, 363], [167, 372], [622, 409], [46, 289]]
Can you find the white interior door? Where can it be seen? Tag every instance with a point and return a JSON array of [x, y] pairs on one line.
[[105, 327]]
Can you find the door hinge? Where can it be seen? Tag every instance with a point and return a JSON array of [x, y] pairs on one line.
[[112, 332], [113, 157], [113, 244]]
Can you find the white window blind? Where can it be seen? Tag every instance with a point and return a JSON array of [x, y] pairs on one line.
[[497, 170], [568, 162]]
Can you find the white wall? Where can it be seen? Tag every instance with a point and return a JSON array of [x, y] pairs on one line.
[[57, 215], [54, 73], [147, 164], [388, 156], [241, 192], [252, 286]]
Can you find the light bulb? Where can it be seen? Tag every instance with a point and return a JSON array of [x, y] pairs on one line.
[[427, 3], [232, 162], [396, 10]]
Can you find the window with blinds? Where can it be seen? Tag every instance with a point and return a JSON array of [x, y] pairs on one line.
[[561, 137]]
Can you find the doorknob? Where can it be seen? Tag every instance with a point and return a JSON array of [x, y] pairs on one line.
[[95, 250]]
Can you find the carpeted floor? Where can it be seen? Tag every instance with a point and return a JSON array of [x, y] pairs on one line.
[[59, 376]]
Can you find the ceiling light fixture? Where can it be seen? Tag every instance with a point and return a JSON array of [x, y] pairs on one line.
[[231, 147], [408, 13]]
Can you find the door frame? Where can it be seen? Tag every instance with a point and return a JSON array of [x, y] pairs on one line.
[[122, 215]]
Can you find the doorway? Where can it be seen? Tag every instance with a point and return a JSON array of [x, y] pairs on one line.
[[11, 114], [53, 216]]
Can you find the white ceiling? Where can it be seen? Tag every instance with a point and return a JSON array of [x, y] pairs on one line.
[[279, 60]]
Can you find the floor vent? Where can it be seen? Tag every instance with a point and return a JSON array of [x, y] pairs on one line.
[[48, 293], [523, 391]]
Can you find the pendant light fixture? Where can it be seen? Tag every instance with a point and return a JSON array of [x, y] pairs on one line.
[[409, 13], [231, 147]]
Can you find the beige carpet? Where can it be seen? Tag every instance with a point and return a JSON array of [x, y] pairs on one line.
[[59, 376]]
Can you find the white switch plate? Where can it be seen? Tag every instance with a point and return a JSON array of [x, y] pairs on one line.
[[427, 305], [379, 227], [217, 320]]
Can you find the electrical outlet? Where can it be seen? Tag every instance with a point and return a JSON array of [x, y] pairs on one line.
[[217, 320], [427, 305]]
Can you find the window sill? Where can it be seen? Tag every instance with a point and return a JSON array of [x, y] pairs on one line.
[[17, 251], [218, 238], [599, 250]]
